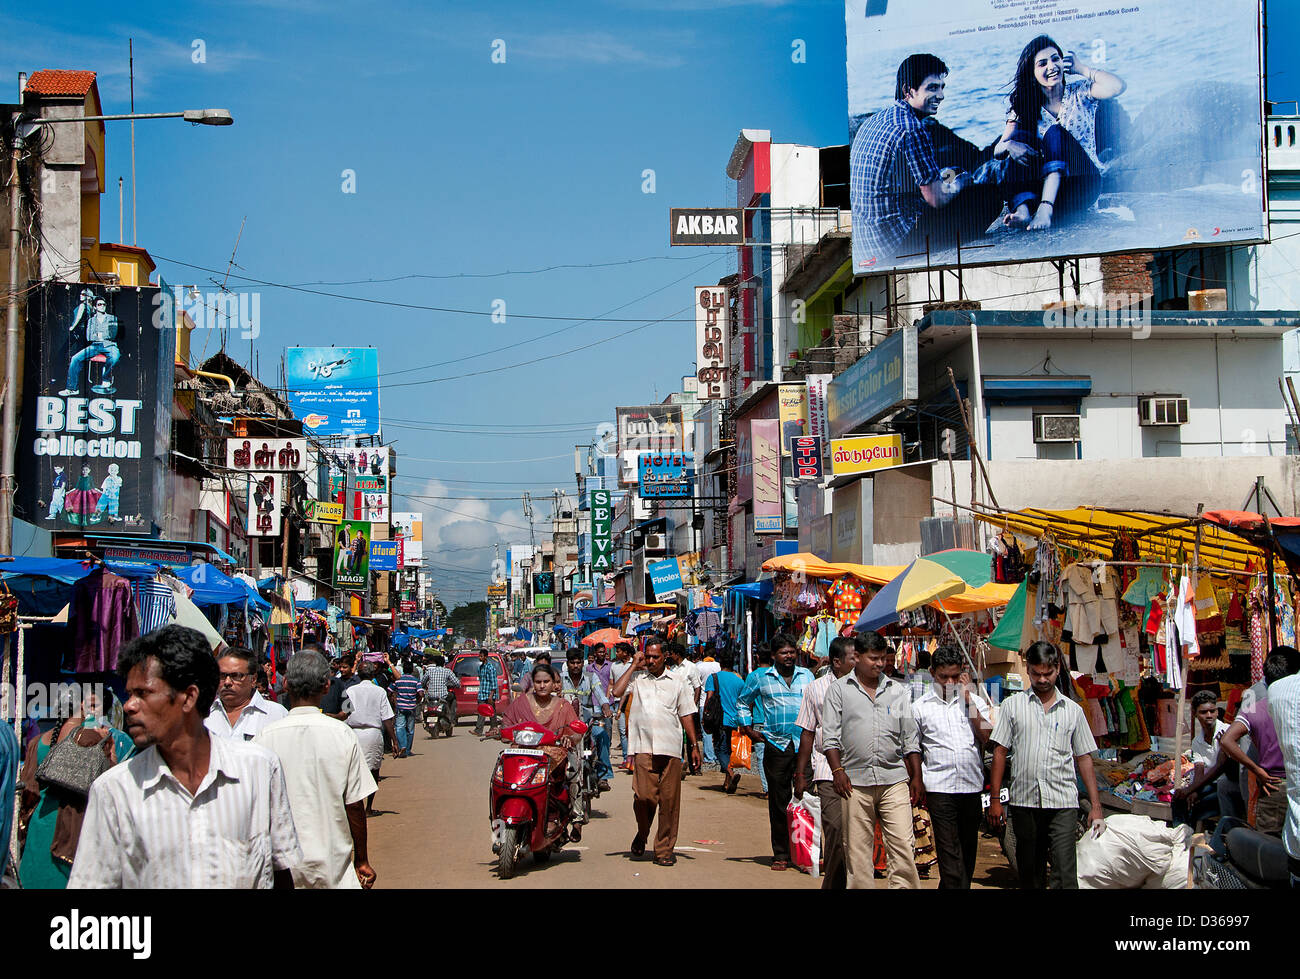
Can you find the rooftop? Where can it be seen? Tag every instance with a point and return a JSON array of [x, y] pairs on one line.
[[61, 81]]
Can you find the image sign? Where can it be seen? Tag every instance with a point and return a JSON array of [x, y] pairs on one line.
[[352, 555]]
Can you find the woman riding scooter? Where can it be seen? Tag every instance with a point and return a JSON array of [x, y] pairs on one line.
[[542, 705]]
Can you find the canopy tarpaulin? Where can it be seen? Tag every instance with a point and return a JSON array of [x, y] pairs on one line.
[[760, 590], [596, 613], [606, 636], [814, 567], [651, 607]]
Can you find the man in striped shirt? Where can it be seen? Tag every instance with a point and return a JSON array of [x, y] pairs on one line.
[[779, 690], [1048, 737], [952, 725], [406, 690], [1284, 709]]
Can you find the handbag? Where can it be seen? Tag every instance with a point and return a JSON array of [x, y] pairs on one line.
[[712, 716], [73, 767]]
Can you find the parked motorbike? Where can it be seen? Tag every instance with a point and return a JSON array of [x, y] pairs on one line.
[[530, 812], [590, 777], [440, 718], [1251, 861]]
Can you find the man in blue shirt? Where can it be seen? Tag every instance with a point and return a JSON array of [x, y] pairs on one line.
[[725, 686], [779, 690], [487, 686], [583, 690]]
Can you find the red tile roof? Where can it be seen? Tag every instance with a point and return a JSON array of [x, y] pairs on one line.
[[56, 81]]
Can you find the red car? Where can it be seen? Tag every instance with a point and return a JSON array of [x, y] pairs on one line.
[[465, 666]]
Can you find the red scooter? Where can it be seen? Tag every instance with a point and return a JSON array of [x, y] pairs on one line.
[[529, 811]]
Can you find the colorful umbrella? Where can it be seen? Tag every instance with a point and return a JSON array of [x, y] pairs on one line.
[[927, 579], [606, 636]]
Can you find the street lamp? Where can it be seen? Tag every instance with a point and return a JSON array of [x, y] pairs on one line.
[[24, 126]]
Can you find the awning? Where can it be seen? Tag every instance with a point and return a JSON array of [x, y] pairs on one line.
[[760, 590], [815, 567], [652, 607], [596, 614], [212, 587]]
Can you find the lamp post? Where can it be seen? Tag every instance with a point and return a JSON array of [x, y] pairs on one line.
[[24, 126]]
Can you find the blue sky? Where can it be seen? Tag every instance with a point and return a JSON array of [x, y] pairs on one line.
[[464, 169]]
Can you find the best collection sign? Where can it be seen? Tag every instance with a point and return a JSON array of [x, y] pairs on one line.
[[706, 226], [879, 382], [602, 544], [712, 326], [866, 453], [666, 475]]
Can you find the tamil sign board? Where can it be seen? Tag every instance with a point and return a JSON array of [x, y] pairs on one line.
[[334, 390], [265, 491], [706, 226], [666, 475], [384, 555], [352, 555], [266, 455], [712, 330], [1112, 175], [880, 381], [95, 436], [865, 453], [602, 545]]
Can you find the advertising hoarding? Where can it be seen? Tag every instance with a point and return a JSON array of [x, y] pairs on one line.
[[323, 511], [807, 452], [666, 475], [266, 455], [818, 423], [866, 453], [883, 379], [384, 555], [647, 428], [334, 390], [410, 527], [712, 334], [602, 544], [706, 226], [265, 493], [665, 576], [792, 410], [95, 428], [1131, 151], [352, 555], [768, 501]]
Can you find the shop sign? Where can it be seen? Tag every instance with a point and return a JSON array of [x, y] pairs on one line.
[[602, 544], [818, 423], [866, 453], [768, 501], [138, 557], [712, 331], [792, 409], [666, 475], [265, 490], [882, 380], [266, 455], [385, 555], [352, 555], [665, 576], [807, 452], [324, 511], [706, 226]]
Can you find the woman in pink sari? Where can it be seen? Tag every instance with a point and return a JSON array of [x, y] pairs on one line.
[[542, 705]]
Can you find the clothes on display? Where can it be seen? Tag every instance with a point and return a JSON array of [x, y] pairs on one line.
[[847, 598], [103, 618]]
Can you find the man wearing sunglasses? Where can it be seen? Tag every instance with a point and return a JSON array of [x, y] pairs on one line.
[[240, 712]]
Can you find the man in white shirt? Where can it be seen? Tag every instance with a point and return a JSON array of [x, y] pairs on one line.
[[1207, 792], [240, 712], [705, 668], [327, 781], [679, 665], [190, 810], [953, 722], [843, 657], [369, 713], [662, 706]]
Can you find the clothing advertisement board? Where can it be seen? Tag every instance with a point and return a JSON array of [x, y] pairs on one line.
[[334, 390], [352, 555], [410, 527], [266, 455], [95, 428], [987, 132]]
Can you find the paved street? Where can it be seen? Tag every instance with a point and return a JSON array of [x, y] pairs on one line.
[[433, 831]]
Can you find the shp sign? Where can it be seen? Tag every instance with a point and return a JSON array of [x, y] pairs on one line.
[[866, 453], [706, 226]]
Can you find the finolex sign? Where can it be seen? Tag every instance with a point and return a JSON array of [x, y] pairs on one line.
[[881, 381]]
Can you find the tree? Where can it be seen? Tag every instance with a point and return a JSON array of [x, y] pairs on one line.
[[469, 620]]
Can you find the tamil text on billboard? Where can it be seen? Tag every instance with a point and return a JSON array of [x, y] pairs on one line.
[[711, 336], [666, 475], [866, 453], [334, 390], [96, 409], [647, 428], [1018, 131]]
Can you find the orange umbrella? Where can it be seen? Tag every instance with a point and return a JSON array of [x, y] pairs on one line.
[[605, 636]]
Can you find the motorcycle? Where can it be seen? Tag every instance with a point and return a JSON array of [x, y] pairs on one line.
[[440, 719], [1251, 861], [529, 811], [590, 777]]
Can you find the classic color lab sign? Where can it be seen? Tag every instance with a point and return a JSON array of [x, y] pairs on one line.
[[866, 453]]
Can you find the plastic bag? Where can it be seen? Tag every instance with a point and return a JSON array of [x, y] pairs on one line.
[[741, 749], [805, 832], [1133, 852]]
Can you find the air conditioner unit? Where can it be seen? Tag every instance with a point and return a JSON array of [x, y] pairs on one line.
[[1162, 411], [655, 542], [1056, 428]]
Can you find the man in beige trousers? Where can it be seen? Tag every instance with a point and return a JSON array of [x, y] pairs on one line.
[[871, 745]]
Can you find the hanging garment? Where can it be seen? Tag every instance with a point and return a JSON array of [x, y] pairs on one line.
[[103, 618], [1046, 575], [1147, 584], [1092, 615], [846, 598], [1008, 561], [156, 603]]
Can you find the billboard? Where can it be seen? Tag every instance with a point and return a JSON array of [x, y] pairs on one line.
[[602, 543], [768, 502], [352, 555], [665, 577], [334, 390], [647, 428], [866, 453], [706, 226], [1058, 129], [410, 527], [878, 382], [807, 452], [792, 402], [384, 555], [666, 475], [712, 329], [265, 493], [95, 429], [266, 455]]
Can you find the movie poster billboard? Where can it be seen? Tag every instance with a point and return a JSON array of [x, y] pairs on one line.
[[647, 428], [352, 555], [334, 390], [95, 429], [410, 528], [1057, 128]]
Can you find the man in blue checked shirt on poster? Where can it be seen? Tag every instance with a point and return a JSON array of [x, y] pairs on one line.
[[778, 690]]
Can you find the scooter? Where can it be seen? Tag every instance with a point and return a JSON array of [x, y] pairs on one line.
[[440, 719], [529, 811], [1251, 861]]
